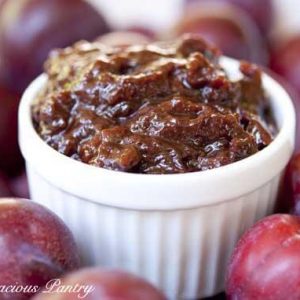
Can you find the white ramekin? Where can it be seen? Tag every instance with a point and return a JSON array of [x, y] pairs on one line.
[[176, 230]]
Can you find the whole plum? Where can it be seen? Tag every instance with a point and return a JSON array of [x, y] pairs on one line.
[[265, 264], [29, 29], [36, 246]]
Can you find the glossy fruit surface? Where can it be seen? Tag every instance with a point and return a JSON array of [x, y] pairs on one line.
[[29, 29], [107, 285], [265, 264], [36, 246]]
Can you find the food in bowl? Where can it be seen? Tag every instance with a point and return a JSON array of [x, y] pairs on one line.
[[159, 108], [198, 216]]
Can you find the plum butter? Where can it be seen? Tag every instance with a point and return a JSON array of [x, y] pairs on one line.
[[160, 108]]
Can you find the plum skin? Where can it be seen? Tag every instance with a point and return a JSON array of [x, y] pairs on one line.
[[266, 262], [36, 246], [107, 284], [29, 29]]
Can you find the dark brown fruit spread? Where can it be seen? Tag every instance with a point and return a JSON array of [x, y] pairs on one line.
[[160, 108]]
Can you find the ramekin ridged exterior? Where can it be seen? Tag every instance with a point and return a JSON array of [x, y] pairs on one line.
[[178, 230]]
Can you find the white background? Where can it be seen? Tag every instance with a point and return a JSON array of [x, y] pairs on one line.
[[160, 14]]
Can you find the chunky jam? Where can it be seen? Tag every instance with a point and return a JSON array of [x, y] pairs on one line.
[[158, 109]]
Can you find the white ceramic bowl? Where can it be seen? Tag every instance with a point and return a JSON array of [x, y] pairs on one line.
[[178, 230]]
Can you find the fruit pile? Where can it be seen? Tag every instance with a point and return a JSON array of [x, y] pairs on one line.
[[36, 246], [37, 249]]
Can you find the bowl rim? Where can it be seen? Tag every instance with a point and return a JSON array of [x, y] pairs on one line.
[[212, 190]]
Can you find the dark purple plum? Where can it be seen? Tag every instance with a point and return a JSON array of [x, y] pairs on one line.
[[36, 246], [265, 264], [29, 29]]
